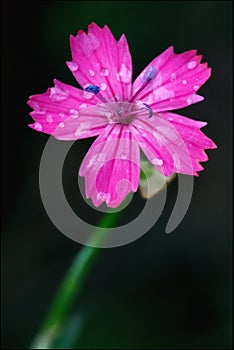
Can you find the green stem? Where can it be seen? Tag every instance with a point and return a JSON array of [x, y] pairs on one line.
[[71, 287]]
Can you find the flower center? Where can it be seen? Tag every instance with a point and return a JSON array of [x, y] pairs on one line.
[[123, 112]]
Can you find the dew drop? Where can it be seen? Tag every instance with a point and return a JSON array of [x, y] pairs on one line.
[[104, 72], [74, 113], [196, 87], [104, 196], [123, 156], [127, 171], [38, 126], [87, 95], [173, 76], [100, 157], [103, 86], [49, 118], [57, 94], [157, 161], [184, 82], [170, 119], [83, 106], [62, 115], [191, 64], [91, 72], [189, 101], [81, 129], [61, 125], [125, 74], [73, 66]]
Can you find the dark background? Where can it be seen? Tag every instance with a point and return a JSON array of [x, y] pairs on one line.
[[161, 291]]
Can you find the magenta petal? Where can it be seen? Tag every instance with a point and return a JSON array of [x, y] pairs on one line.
[[155, 151], [55, 106], [89, 122], [178, 78], [98, 59], [112, 166], [175, 144]]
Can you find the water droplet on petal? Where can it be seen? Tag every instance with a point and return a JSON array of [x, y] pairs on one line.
[[170, 119], [57, 94], [184, 82], [62, 115], [91, 72], [189, 101], [87, 95], [49, 118], [103, 86], [173, 76], [104, 72], [191, 64], [61, 125], [125, 74], [38, 126], [100, 157], [123, 156], [83, 106], [196, 87], [127, 171], [73, 66], [81, 129], [104, 196], [74, 113], [157, 161]]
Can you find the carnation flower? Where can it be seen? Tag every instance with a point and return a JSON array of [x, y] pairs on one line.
[[124, 116]]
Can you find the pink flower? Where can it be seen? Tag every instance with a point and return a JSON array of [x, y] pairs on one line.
[[125, 116]]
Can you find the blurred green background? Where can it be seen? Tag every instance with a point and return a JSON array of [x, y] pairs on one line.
[[161, 291]]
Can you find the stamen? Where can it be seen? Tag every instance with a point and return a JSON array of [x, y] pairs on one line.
[[95, 90], [149, 75], [149, 109]]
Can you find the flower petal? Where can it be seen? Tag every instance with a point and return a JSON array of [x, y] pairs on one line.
[[55, 106], [90, 122], [98, 59], [178, 77], [154, 149], [112, 166], [173, 143]]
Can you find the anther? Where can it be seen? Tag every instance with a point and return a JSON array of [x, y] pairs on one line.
[[95, 90], [149, 75], [149, 109]]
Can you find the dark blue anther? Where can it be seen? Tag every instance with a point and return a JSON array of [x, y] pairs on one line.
[[150, 74], [149, 109], [93, 89]]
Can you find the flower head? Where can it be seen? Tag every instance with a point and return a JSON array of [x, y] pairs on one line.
[[125, 116]]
